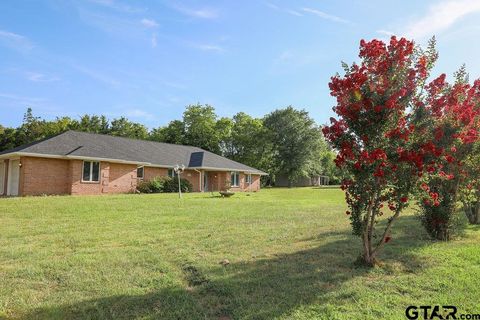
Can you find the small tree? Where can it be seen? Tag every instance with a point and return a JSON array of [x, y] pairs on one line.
[[452, 129], [375, 134], [470, 190]]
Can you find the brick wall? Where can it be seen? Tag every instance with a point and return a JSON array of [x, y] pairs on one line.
[[43, 176], [114, 178], [255, 186], [194, 178], [123, 178], [151, 172]]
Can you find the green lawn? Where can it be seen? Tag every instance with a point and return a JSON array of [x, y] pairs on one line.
[[155, 256]]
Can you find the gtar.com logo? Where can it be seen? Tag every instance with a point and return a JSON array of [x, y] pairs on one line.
[[437, 312]]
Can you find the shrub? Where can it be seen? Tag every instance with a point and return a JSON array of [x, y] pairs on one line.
[[156, 185], [171, 185], [437, 216], [164, 185]]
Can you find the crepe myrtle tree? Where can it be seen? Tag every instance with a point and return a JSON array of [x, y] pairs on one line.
[[470, 190], [452, 127], [375, 134]]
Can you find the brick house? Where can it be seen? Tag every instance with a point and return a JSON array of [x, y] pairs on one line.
[[80, 163]]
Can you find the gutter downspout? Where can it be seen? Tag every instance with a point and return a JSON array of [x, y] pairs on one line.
[[199, 180]]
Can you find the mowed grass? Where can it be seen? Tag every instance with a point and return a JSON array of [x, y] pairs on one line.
[[290, 254]]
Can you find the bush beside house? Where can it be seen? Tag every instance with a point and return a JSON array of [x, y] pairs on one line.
[[164, 185]]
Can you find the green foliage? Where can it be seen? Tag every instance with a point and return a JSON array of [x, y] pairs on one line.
[[174, 133], [34, 128], [94, 124], [469, 191], [249, 144], [200, 127], [164, 185], [125, 128], [151, 186], [171, 185], [295, 142]]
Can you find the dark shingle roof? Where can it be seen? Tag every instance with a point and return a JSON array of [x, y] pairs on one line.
[[91, 145]]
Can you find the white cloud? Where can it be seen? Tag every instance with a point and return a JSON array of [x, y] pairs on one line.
[[289, 11], [209, 47], [293, 12], [324, 15], [15, 41], [440, 17], [40, 77], [113, 4], [203, 13], [149, 23], [154, 40]]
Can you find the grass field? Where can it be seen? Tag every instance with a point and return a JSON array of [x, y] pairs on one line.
[[155, 256]]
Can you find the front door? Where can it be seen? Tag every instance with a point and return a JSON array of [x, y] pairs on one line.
[[2, 177], [13, 177], [205, 181]]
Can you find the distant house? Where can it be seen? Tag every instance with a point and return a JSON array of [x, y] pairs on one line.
[[86, 163], [317, 180]]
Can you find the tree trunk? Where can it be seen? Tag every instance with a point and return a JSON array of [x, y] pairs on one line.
[[368, 257], [472, 211]]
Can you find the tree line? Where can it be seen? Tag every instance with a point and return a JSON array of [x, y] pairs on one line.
[[284, 142]]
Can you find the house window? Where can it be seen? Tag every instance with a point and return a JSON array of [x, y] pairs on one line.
[[91, 171], [140, 173], [172, 173], [235, 179], [248, 179]]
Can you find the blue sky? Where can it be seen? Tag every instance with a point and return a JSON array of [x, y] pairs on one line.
[[146, 60]]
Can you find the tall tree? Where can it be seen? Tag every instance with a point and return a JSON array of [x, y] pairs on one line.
[[92, 123], [32, 129], [124, 128], [8, 139], [249, 143], [200, 127], [223, 128], [174, 133], [295, 138]]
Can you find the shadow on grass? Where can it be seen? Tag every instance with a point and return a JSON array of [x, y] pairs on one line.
[[260, 289]]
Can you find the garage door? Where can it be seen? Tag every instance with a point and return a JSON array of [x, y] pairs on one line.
[[13, 177]]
